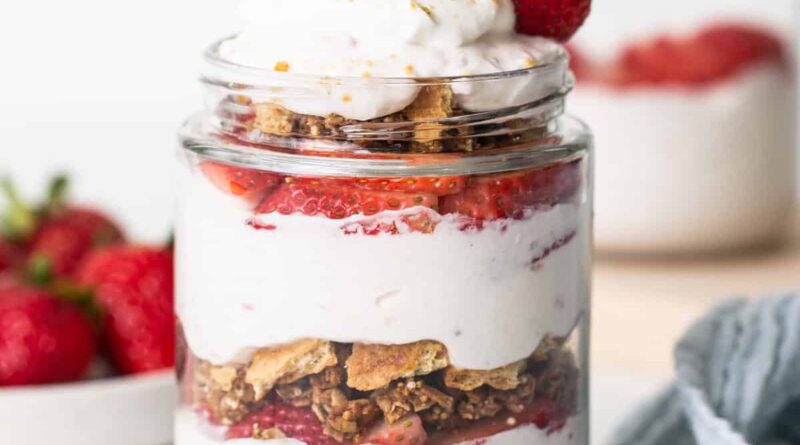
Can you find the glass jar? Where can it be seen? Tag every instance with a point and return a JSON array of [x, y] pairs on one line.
[[419, 278]]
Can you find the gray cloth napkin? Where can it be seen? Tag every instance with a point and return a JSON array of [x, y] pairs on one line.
[[738, 381]]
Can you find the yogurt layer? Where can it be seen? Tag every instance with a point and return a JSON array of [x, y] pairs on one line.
[[484, 294], [191, 429], [713, 168], [394, 39]]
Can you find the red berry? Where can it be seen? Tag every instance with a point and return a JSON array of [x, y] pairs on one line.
[[407, 431], [557, 19], [65, 238], [134, 288], [508, 195], [42, 339], [296, 423], [9, 255], [249, 185], [717, 52], [337, 202], [434, 185]]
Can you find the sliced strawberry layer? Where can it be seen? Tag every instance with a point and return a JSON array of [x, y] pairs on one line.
[[508, 195], [335, 202], [542, 413], [295, 423], [250, 185], [434, 185]]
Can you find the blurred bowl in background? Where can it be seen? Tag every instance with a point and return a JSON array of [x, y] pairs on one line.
[[118, 411], [695, 140]]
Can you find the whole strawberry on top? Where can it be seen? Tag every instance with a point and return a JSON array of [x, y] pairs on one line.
[[56, 236], [43, 339], [133, 286], [556, 19]]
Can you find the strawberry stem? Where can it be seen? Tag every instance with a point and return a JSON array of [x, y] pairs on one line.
[[19, 221], [40, 270], [56, 194]]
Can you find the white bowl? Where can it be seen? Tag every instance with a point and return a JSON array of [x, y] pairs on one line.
[[118, 411]]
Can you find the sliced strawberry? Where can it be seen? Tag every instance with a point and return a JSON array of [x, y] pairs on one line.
[[334, 202], [250, 185], [407, 431], [508, 195], [420, 222], [557, 19], [278, 418], [434, 185]]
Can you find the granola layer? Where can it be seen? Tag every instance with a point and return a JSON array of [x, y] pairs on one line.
[[351, 387], [433, 123]]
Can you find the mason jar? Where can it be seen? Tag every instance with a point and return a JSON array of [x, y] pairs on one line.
[[419, 278]]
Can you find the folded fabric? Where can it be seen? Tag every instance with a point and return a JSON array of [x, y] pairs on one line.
[[738, 381]]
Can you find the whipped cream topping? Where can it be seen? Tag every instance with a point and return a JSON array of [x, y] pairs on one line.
[[391, 39], [485, 294]]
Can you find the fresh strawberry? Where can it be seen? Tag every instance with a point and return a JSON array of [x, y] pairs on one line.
[[42, 339], [56, 236], [434, 185], [508, 195], [66, 237], [9, 255], [249, 185], [716, 52], [295, 423], [407, 431], [557, 19], [339, 202], [134, 289]]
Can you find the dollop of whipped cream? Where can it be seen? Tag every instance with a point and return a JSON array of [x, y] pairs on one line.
[[390, 39]]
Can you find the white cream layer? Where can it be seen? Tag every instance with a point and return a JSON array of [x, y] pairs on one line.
[[389, 38], [191, 429], [683, 170], [476, 292]]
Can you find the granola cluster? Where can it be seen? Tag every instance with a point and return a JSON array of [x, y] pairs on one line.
[[350, 387], [425, 126]]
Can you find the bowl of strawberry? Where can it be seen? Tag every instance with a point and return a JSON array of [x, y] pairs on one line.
[[86, 327]]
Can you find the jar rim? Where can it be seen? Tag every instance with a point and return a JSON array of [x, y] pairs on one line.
[[574, 141], [213, 60]]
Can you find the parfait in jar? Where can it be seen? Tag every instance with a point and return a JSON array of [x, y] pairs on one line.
[[385, 229]]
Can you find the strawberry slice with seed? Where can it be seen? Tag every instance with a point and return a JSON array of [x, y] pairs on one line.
[[250, 185], [407, 431], [434, 185], [336, 202], [279, 420], [508, 195]]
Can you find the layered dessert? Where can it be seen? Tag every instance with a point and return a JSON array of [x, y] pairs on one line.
[[697, 133], [371, 253]]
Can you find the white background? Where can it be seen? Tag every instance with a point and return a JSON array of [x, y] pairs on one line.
[[98, 87]]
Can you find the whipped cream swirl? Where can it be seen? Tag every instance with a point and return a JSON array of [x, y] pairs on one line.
[[391, 39]]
